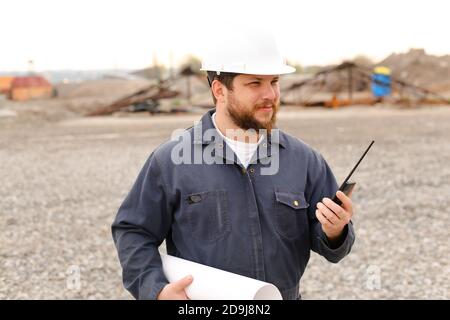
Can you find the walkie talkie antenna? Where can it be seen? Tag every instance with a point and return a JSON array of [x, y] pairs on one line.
[[347, 187], [357, 164]]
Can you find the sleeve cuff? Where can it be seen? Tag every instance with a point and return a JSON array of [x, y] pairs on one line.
[[156, 290], [150, 286], [335, 254]]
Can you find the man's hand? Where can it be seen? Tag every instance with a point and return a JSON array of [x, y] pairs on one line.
[[334, 217], [175, 290]]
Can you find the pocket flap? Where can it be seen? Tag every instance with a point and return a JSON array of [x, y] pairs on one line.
[[293, 200]]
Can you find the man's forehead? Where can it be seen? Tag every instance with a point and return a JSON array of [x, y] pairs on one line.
[[258, 77]]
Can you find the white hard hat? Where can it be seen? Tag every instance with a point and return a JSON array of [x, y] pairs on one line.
[[247, 52]]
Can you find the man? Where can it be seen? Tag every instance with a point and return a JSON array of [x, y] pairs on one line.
[[256, 207]]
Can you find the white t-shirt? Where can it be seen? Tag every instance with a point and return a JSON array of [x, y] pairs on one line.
[[243, 150]]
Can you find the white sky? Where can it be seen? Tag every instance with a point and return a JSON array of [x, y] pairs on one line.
[[104, 34]]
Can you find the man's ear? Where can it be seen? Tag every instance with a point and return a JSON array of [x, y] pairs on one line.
[[218, 90]]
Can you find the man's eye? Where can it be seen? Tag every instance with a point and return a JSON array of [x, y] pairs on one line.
[[254, 82], [274, 81]]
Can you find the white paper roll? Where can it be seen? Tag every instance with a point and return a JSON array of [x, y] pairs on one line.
[[215, 284]]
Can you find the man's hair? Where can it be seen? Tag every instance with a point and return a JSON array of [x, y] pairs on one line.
[[225, 78]]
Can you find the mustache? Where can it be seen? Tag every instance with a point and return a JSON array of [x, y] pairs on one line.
[[272, 105]]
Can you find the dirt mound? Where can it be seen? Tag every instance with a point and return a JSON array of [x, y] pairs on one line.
[[419, 68], [102, 87]]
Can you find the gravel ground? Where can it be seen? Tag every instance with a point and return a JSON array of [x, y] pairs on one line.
[[62, 182]]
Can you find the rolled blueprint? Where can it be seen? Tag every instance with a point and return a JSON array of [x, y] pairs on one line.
[[215, 284]]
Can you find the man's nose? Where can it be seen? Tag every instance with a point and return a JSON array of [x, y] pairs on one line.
[[270, 92]]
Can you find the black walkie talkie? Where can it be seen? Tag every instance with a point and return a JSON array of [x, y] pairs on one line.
[[348, 186]]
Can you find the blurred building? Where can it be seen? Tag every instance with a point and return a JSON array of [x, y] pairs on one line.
[[5, 84], [30, 87]]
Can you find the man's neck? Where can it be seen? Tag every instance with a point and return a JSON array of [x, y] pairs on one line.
[[224, 123]]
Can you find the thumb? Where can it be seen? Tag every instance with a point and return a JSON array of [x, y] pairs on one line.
[[183, 283]]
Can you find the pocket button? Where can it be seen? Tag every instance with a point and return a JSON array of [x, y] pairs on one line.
[[195, 198]]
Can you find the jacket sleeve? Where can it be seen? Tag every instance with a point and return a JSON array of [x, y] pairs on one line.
[[323, 184], [141, 225]]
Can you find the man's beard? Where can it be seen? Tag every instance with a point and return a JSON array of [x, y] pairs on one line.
[[246, 120]]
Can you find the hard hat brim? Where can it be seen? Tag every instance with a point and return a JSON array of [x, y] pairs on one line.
[[284, 69]]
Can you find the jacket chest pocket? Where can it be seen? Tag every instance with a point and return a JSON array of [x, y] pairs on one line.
[[291, 214], [207, 213]]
